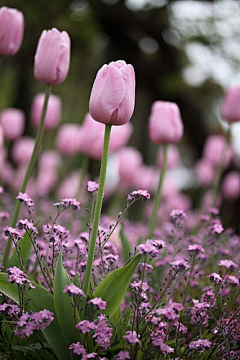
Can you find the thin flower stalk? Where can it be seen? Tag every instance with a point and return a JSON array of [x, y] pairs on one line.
[[29, 170], [97, 213]]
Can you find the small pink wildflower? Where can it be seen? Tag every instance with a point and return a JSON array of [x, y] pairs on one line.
[[138, 194], [100, 303], [216, 278], [196, 248], [164, 348], [73, 290], [85, 326], [24, 197], [200, 345], [132, 337], [180, 265], [123, 355], [228, 264], [92, 186], [231, 279]]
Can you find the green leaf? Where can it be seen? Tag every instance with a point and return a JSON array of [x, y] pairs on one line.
[[25, 245], [126, 247], [63, 304], [113, 288], [40, 299]]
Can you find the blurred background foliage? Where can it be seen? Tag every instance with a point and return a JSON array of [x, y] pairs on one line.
[[182, 51]]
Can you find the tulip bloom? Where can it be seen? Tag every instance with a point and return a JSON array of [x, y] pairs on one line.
[[53, 113], [92, 132], [231, 186], [13, 122], [230, 110], [52, 59], [67, 139], [165, 123], [22, 150], [216, 149], [113, 94], [11, 30]]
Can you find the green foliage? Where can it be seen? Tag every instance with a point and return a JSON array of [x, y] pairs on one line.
[[63, 304], [39, 299], [126, 247], [113, 288]]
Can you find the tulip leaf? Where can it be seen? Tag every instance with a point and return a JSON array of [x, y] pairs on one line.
[[126, 247], [39, 299], [113, 288], [63, 304]]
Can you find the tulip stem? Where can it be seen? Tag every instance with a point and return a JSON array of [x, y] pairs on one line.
[[31, 164], [157, 201], [97, 213]]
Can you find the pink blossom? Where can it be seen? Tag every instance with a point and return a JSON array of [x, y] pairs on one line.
[[53, 113], [13, 122], [113, 94]]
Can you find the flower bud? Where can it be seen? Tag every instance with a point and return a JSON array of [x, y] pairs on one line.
[[231, 185], [22, 150], [165, 123], [216, 149], [11, 30], [113, 94], [52, 59], [13, 122], [92, 132], [53, 113], [230, 110], [67, 139]]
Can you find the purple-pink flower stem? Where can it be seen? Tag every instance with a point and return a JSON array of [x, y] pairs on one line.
[[97, 213], [29, 171], [157, 201]]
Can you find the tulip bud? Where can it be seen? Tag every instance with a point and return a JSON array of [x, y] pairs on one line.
[[113, 94], [173, 157], [165, 123], [53, 113], [67, 139], [11, 30], [22, 150], [13, 121], [231, 185], [231, 105], [216, 149], [92, 132], [52, 57]]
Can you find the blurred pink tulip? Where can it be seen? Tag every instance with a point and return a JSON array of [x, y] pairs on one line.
[[113, 94], [216, 149], [146, 178], [205, 171], [92, 132], [1, 136], [67, 139], [53, 113], [46, 181], [165, 123], [50, 159], [22, 150], [231, 185], [129, 163], [11, 30], [173, 158], [13, 122], [52, 57], [230, 110]]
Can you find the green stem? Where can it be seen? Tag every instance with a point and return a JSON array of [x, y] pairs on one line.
[[152, 223], [28, 174], [220, 168], [97, 213]]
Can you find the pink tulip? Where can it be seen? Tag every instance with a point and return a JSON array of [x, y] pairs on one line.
[[67, 139], [53, 113], [46, 181], [49, 159], [230, 110], [11, 30], [52, 57], [92, 132], [231, 185], [22, 150], [205, 172], [13, 122], [146, 178], [129, 164], [173, 157], [216, 149], [113, 94], [165, 123], [1, 136]]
